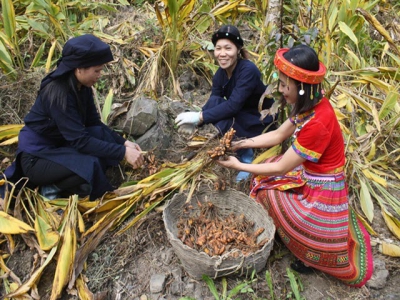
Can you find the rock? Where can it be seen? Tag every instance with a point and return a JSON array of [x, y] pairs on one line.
[[379, 276], [157, 283], [198, 292], [177, 274], [167, 256], [141, 116], [176, 288], [157, 138], [190, 288]]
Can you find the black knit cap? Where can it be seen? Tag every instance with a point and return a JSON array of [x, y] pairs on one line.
[[229, 32], [80, 52]]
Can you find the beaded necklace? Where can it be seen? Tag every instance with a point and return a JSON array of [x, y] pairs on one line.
[[300, 121]]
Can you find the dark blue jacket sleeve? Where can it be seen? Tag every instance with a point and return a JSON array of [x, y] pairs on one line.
[[93, 119], [73, 129], [246, 77]]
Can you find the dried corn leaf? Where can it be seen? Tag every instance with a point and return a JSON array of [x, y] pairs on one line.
[[83, 291], [392, 223], [9, 141], [10, 243], [367, 205], [267, 154], [11, 225], [45, 234], [67, 252], [378, 26], [371, 175], [367, 226], [389, 249]]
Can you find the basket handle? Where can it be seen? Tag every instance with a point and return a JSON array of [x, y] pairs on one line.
[[232, 269]]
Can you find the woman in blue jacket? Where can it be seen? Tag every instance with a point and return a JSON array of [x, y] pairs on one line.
[[64, 148], [236, 91]]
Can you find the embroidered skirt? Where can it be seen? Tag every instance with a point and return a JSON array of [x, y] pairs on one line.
[[314, 220]]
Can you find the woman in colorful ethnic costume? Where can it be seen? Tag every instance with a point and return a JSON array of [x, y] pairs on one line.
[[304, 190], [64, 148], [236, 91]]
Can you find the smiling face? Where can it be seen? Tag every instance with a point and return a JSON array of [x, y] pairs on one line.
[[288, 88], [226, 54], [88, 76]]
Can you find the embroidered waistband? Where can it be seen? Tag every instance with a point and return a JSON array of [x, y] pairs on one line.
[[324, 177]]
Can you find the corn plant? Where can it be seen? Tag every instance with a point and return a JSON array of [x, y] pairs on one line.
[[49, 24]]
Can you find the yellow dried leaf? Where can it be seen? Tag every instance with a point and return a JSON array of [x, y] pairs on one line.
[[339, 115], [392, 223], [367, 205], [396, 173], [389, 249], [194, 144], [378, 26], [11, 225], [342, 100], [66, 256], [45, 234], [65, 260], [267, 154], [372, 151], [10, 243], [81, 223], [371, 175], [83, 291], [9, 141], [367, 226], [375, 116]]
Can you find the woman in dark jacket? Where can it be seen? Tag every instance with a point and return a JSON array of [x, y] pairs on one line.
[[64, 148], [236, 91]]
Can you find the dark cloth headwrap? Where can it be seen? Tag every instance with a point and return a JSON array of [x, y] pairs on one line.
[[80, 52], [229, 32]]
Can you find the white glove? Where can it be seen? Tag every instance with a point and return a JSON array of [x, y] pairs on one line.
[[189, 117]]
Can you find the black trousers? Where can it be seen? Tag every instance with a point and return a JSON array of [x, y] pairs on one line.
[[41, 172]]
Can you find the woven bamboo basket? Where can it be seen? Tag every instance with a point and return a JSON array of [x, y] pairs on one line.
[[198, 263]]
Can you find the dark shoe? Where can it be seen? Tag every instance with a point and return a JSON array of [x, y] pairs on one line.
[[300, 267], [81, 190], [50, 191], [84, 189]]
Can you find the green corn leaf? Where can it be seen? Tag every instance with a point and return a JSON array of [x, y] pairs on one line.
[[347, 31], [391, 100], [8, 15], [38, 56], [105, 112]]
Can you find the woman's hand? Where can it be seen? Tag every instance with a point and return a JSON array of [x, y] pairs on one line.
[[132, 145], [232, 162], [133, 156]]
